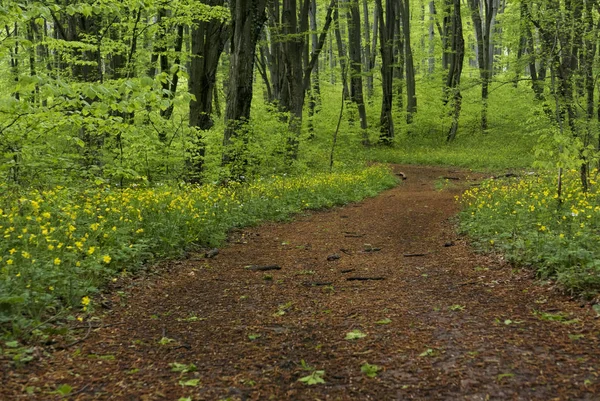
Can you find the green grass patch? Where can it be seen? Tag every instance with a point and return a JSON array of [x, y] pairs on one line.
[[60, 245], [525, 220]]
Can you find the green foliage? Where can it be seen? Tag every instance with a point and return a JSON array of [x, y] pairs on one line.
[[355, 335], [59, 245], [525, 220], [370, 370], [182, 367]]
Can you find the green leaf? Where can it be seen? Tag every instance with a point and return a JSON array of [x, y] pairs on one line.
[[182, 367], [384, 321], [64, 389], [504, 376], [165, 341], [427, 352], [315, 377], [12, 344], [370, 370], [596, 308], [189, 383], [355, 335]]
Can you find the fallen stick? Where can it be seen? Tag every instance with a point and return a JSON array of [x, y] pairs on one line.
[[413, 255], [365, 278], [317, 283], [256, 268]]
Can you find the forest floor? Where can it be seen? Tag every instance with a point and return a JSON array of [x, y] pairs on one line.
[[442, 322]]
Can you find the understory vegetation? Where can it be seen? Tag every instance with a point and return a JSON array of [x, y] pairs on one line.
[[526, 220]]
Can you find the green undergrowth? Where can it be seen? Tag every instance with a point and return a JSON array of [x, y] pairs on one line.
[[524, 220], [60, 245]]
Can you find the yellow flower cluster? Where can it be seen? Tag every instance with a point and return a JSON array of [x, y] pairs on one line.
[[533, 223]]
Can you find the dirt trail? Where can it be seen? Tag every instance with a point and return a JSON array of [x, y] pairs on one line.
[[460, 326]]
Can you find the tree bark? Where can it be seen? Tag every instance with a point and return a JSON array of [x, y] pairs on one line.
[[456, 60], [411, 102], [386, 37], [356, 83], [247, 19]]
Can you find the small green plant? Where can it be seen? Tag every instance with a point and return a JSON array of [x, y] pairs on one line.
[[165, 341], [355, 335], [283, 308], [189, 383], [370, 370], [254, 336], [182, 367], [192, 318], [64, 390], [456, 307], [316, 377], [305, 273], [427, 352], [503, 376], [555, 317], [384, 321]]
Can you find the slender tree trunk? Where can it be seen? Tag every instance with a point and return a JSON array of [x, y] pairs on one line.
[[341, 50], [386, 34], [455, 67], [367, 66], [431, 30], [315, 90], [411, 102], [356, 83]]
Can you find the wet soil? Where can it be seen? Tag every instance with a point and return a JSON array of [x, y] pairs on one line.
[[441, 322]]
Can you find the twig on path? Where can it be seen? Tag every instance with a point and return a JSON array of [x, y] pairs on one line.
[[413, 255], [256, 268], [365, 278], [317, 283]]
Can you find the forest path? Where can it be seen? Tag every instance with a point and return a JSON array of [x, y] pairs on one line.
[[447, 325]]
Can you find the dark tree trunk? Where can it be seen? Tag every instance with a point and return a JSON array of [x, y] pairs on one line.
[[247, 19], [386, 37], [367, 66], [208, 40], [356, 84]]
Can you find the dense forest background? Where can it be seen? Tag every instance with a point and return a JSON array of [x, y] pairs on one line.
[[131, 91], [137, 129]]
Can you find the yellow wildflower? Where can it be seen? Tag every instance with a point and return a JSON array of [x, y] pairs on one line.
[[106, 259], [57, 261]]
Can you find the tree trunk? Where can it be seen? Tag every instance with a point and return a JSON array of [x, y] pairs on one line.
[[247, 19], [356, 84], [367, 66], [456, 60], [386, 34], [411, 102]]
